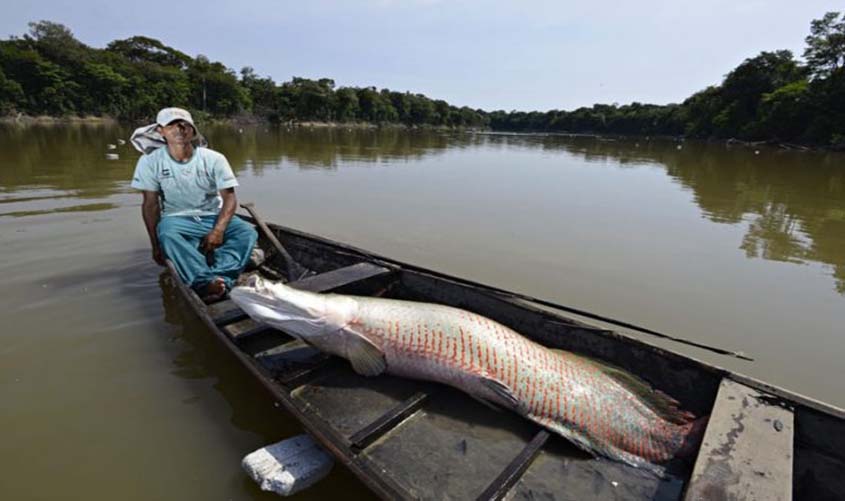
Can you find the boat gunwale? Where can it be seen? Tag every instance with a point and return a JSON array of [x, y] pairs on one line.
[[819, 413]]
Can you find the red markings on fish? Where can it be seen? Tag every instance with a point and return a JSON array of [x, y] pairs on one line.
[[557, 401], [478, 352], [470, 350], [568, 393]]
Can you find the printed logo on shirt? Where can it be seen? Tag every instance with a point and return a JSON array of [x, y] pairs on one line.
[[165, 172]]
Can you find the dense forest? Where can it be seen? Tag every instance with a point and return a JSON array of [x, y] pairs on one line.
[[770, 97]]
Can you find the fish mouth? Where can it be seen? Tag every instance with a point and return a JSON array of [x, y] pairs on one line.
[[250, 300], [249, 294], [262, 309], [253, 291], [287, 309]]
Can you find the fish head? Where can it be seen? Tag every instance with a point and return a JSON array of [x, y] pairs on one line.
[[318, 319]]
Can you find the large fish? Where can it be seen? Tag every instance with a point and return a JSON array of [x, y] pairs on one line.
[[598, 407]]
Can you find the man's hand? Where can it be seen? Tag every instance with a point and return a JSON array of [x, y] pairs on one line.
[[212, 241], [158, 256]]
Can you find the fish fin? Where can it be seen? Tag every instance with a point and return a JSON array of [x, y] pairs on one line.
[[502, 392], [662, 404], [366, 358], [597, 450], [576, 439]]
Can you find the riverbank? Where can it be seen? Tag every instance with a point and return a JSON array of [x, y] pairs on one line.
[[22, 119], [235, 121], [247, 120], [314, 124]]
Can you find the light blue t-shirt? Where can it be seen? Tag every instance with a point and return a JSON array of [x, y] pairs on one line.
[[187, 189]]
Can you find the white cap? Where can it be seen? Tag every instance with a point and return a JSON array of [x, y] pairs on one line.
[[146, 139], [167, 115]]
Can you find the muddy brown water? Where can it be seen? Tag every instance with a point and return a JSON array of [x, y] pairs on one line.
[[109, 388]]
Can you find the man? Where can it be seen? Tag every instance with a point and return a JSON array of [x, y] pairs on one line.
[[193, 226]]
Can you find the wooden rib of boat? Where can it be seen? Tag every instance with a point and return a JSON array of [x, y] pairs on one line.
[[416, 440]]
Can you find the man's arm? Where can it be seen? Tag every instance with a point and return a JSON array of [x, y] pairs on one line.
[[214, 239], [151, 212]]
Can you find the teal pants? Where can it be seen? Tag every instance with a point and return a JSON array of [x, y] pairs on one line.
[[180, 238]]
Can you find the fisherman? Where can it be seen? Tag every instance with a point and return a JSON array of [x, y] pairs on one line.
[[193, 225]]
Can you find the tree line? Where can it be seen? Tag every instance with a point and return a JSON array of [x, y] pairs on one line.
[[48, 71], [770, 97]]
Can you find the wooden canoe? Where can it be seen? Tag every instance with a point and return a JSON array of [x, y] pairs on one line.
[[415, 440]]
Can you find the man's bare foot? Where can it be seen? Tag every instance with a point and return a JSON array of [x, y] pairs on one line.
[[245, 278], [215, 290]]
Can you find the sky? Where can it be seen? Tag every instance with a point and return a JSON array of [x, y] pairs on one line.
[[494, 54]]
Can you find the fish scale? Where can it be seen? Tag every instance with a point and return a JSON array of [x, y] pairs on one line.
[[595, 406], [542, 378]]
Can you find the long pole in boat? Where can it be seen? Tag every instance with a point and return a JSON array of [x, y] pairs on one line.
[[294, 269], [295, 272]]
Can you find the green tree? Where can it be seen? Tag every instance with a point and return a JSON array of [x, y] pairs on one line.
[[348, 107], [422, 110], [827, 104], [106, 89], [46, 85], [156, 86], [785, 113], [375, 107], [143, 49], [442, 112], [401, 103], [262, 93], [744, 87], [214, 88], [825, 52], [11, 94], [56, 42], [310, 99]]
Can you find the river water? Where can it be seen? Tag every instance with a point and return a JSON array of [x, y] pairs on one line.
[[109, 388]]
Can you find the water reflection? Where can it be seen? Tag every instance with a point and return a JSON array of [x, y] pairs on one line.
[[73, 208], [64, 158], [792, 202], [326, 148]]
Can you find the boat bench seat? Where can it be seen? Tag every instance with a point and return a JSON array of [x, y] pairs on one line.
[[335, 279], [747, 451], [225, 312], [227, 315]]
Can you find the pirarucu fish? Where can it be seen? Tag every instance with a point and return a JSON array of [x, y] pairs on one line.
[[598, 407]]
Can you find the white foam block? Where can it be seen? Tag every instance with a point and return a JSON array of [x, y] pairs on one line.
[[289, 466]]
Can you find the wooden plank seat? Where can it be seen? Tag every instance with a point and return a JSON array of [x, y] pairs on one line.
[[290, 357], [747, 451], [244, 328], [225, 312]]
